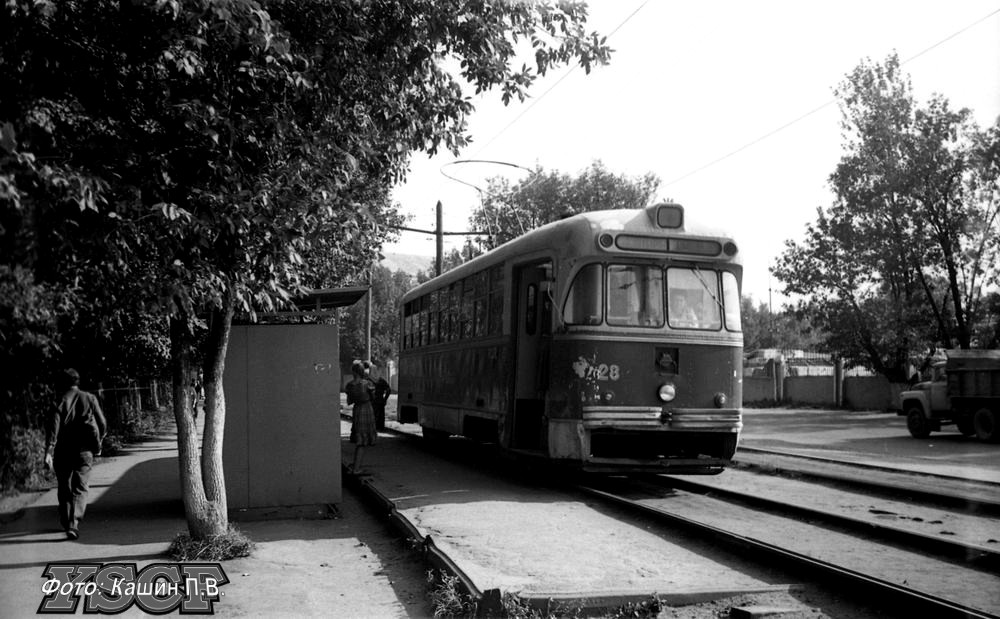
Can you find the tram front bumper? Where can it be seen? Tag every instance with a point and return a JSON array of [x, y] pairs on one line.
[[663, 418]]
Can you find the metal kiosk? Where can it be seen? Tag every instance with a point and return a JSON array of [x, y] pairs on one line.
[[281, 452]]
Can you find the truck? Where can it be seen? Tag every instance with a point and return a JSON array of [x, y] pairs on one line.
[[964, 389]]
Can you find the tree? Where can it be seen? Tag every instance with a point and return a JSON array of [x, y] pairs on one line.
[[387, 289], [184, 158], [451, 259], [900, 259], [511, 210], [956, 197], [786, 329]]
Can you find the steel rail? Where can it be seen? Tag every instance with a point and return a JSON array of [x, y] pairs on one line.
[[981, 557], [917, 601], [865, 465], [967, 501]]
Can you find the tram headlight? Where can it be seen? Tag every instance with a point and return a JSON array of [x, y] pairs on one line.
[[667, 392], [720, 400]]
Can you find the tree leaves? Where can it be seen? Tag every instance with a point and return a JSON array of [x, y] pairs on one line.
[[509, 211], [898, 263]]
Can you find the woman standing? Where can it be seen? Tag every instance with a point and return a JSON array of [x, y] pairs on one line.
[[363, 432]]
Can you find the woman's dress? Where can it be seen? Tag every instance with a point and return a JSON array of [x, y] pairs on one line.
[[363, 431]]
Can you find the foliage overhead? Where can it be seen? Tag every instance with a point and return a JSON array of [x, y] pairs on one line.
[[903, 257], [214, 139], [188, 159]]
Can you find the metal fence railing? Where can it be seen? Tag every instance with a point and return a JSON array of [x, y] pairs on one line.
[[121, 403]]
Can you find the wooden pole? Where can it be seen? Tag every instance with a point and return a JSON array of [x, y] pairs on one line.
[[439, 241]]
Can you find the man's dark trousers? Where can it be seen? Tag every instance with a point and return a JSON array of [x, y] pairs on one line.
[[73, 476]]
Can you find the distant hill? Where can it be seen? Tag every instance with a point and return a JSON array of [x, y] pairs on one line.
[[407, 263]]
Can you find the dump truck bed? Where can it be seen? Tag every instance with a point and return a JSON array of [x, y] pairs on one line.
[[973, 373]]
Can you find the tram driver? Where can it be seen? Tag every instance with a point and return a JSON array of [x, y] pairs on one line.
[[682, 313]]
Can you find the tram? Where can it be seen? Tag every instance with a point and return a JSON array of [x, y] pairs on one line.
[[609, 342]]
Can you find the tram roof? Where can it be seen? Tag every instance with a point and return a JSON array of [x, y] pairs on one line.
[[559, 234]]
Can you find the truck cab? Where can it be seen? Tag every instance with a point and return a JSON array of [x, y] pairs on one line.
[[962, 387]]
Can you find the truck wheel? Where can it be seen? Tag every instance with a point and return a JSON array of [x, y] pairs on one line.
[[966, 426], [987, 425], [917, 424]]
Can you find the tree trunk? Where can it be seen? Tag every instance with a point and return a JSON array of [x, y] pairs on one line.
[[203, 482], [154, 396]]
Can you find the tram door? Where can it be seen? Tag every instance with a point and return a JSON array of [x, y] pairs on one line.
[[532, 329]]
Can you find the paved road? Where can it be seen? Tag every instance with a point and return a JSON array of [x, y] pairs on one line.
[[871, 437]]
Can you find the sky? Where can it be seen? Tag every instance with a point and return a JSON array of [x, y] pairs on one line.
[[731, 104]]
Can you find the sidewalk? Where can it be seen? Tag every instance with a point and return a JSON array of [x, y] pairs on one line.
[[343, 567]]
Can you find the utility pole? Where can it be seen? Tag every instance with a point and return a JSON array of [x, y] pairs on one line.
[[439, 241], [368, 315], [438, 237], [770, 314]]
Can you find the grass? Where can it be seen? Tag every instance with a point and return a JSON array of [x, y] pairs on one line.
[[230, 545], [448, 601]]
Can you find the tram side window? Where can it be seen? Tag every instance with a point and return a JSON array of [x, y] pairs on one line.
[[426, 317], [421, 318], [731, 299], [454, 299], [465, 319], [496, 301], [635, 296], [693, 299], [408, 325], [481, 290], [433, 318], [586, 297]]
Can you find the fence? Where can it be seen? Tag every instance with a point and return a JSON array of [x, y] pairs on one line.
[[120, 404], [30, 406], [785, 382]]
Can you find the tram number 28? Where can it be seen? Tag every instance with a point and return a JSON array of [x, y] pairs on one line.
[[600, 372]]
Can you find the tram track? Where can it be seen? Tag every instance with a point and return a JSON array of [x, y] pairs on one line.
[[974, 496], [939, 578], [976, 555], [910, 577]]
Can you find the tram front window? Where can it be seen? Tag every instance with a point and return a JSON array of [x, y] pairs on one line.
[[635, 296], [693, 299]]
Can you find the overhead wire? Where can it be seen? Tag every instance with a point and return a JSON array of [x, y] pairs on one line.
[[821, 107], [717, 160], [536, 100], [532, 104], [748, 144]]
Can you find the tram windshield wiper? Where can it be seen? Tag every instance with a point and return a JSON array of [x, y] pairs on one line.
[[704, 284]]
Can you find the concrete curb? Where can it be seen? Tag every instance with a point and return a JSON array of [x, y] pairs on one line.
[[488, 602]]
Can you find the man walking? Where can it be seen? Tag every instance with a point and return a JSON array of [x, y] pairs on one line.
[[380, 398], [74, 432]]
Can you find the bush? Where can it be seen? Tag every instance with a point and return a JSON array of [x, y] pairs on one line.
[[139, 425], [22, 466], [135, 427], [22, 449]]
